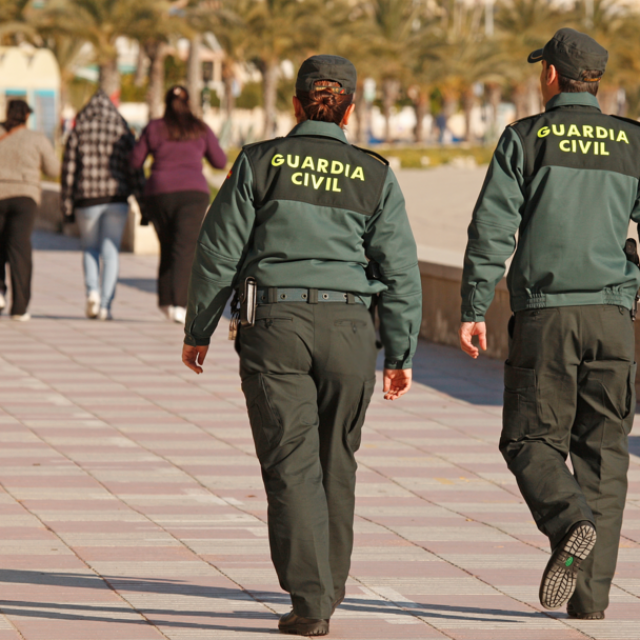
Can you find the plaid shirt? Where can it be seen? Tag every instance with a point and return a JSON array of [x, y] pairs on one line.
[[96, 156]]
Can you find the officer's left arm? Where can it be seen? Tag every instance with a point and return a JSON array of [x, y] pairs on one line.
[[389, 241], [221, 247]]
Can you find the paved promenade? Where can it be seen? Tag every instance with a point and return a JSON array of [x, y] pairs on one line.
[[132, 507]]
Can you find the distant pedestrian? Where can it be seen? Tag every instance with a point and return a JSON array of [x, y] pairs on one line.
[[177, 194], [97, 181], [24, 156]]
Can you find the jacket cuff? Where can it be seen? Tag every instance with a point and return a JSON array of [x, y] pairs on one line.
[[393, 363], [196, 342], [471, 316]]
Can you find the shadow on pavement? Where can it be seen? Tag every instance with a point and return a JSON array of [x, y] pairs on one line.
[[47, 241], [148, 285], [91, 612]]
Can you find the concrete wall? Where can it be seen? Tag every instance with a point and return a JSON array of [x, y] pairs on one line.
[[441, 307]]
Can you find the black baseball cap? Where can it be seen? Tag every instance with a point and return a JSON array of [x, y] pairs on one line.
[[572, 53], [326, 67]]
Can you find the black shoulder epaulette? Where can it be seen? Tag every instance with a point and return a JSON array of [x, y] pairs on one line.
[[629, 120], [373, 154], [255, 144], [537, 115]]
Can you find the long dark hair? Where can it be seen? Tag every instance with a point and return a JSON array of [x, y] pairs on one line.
[[178, 117], [327, 103], [18, 112]]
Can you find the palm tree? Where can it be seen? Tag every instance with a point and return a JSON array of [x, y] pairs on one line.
[[274, 31], [523, 26]]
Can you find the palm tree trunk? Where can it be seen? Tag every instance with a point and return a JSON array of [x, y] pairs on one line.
[[157, 52], [390, 91], [269, 94], [468, 102], [361, 115], [421, 107], [228, 78], [494, 99], [109, 79], [520, 101], [194, 74]]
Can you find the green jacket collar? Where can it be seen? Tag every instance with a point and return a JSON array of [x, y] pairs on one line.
[[315, 128], [564, 99]]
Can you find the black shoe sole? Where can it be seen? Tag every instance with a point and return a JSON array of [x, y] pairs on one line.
[[320, 628], [561, 573]]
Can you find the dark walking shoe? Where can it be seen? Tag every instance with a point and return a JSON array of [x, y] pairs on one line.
[[338, 601], [578, 615], [294, 624], [561, 573]]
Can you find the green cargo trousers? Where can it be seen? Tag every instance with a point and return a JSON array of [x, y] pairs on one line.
[[308, 373], [570, 389]]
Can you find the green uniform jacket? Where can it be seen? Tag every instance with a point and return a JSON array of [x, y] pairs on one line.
[[567, 181], [307, 211]]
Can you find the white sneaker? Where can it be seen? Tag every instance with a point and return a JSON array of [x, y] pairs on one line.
[[167, 310], [104, 314], [3, 302], [25, 317], [93, 304], [179, 315]]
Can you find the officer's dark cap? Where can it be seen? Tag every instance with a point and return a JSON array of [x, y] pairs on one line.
[[326, 67], [572, 53]]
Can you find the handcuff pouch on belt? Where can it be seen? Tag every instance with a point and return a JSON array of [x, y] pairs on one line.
[[243, 307]]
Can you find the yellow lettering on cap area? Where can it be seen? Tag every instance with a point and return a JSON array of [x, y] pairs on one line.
[[622, 137], [277, 160], [544, 132]]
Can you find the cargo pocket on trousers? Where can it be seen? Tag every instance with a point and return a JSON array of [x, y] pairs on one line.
[[630, 407], [266, 425], [353, 437], [520, 409]]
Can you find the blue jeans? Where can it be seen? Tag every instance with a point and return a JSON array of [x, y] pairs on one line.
[[101, 227]]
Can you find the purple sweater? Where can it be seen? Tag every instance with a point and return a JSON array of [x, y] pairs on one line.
[[177, 165]]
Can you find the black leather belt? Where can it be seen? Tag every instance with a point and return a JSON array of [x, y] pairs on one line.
[[270, 295]]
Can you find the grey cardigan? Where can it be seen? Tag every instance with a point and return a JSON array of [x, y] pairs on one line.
[[24, 156]]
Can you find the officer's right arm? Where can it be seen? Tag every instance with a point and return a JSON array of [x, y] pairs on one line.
[[495, 221], [220, 251]]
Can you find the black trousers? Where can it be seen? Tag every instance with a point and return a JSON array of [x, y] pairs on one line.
[[570, 390], [177, 218], [17, 216], [308, 373]]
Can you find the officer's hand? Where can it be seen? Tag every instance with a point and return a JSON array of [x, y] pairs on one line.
[[396, 383], [193, 357], [467, 331]]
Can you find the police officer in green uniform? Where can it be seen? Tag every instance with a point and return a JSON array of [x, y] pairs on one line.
[[303, 215], [566, 181]]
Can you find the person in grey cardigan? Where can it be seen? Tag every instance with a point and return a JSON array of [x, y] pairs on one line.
[[24, 156]]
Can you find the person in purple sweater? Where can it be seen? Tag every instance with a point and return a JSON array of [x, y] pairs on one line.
[[177, 193]]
